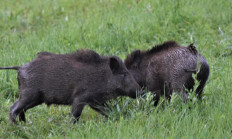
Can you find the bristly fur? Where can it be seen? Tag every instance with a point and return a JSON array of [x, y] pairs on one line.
[[161, 47], [84, 55], [158, 48], [149, 69], [40, 54], [87, 56], [132, 57]]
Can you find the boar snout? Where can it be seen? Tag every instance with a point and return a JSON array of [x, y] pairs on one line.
[[133, 87], [135, 91]]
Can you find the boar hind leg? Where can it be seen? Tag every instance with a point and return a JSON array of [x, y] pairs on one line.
[[21, 114], [11, 115], [100, 109], [77, 108], [24, 103]]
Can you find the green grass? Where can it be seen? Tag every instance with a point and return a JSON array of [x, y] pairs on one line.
[[117, 27]]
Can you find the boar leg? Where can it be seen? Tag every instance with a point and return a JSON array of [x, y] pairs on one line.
[[183, 93], [22, 116], [100, 108], [11, 116], [77, 108], [185, 96], [202, 77], [27, 100], [166, 91], [156, 99]]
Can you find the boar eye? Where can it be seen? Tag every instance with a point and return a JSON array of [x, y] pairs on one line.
[[124, 74]]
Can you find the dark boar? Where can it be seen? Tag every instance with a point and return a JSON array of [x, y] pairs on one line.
[[77, 79], [167, 68]]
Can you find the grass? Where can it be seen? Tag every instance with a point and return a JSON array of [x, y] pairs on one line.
[[117, 27]]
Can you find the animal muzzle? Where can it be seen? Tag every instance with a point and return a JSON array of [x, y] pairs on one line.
[[137, 93]]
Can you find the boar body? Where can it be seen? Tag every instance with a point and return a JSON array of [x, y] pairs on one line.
[[168, 68], [77, 79]]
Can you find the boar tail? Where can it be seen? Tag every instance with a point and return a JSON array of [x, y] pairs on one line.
[[190, 70], [202, 76], [13, 68]]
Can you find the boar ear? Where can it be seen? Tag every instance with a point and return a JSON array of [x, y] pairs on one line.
[[114, 64], [136, 56], [192, 48]]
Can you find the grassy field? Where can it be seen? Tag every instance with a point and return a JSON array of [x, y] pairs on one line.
[[117, 27]]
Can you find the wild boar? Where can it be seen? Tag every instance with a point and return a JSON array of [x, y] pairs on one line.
[[168, 68], [77, 79]]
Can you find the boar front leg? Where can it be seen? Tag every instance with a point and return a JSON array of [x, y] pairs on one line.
[[22, 116], [185, 96], [156, 99], [77, 108]]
